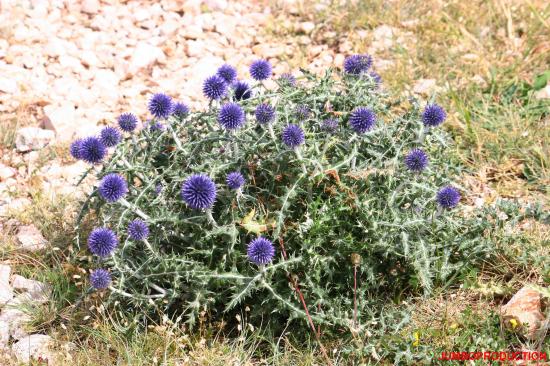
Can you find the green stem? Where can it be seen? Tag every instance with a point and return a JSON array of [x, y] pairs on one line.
[[151, 249], [134, 209], [210, 218], [299, 156]]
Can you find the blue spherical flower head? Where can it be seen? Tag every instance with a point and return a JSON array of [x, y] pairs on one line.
[[362, 120], [264, 114], [330, 125], [199, 192], [260, 70], [433, 115], [113, 187], [227, 73], [357, 64], [155, 126], [160, 105], [293, 136], [448, 197], [260, 251], [75, 149], [416, 160], [287, 80], [376, 77], [110, 136], [92, 150], [214, 87], [242, 90], [302, 112], [127, 122], [158, 189], [231, 116], [180, 110], [102, 242], [235, 180], [138, 230], [100, 279]]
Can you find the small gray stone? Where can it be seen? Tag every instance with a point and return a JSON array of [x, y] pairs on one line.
[[6, 292], [36, 291], [33, 347], [32, 138], [4, 334], [90, 6], [15, 319], [424, 86], [543, 93], [6, 172], [8, 86], [30, 238], [307, 27]]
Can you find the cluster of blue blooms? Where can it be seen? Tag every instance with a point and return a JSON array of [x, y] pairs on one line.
[[199, 191]]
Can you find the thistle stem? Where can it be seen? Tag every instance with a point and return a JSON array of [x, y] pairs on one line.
[[136, 210], [150, 247], [355, 297], [396, 191], [317, 332], [235, 149], [299, 156], [422, 135], [271, 132], [175, 137], [211, 218], [127, 164]]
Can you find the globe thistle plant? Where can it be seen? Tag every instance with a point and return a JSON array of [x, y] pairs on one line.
[[92, 150], [158, 189], [376, 77], [241, 90], [127, 122], [261, 251], [260, 70], [416, 160], [214, 87], [227, 73], [293, 136], [138, 230], [231, 116], [199, 192], [264, 113], [330, 125], [357, 64], [160, 105], [287, 80], [433, 115], [102, 242], [100, 279], [155, 126], [340, 195], [362, 120], [235, 180], [112, 187], [448, 197], [302, 112], [110, 136], [180, 110], [75, 149]]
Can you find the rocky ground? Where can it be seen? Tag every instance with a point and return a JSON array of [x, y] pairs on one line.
[[69, 67]]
